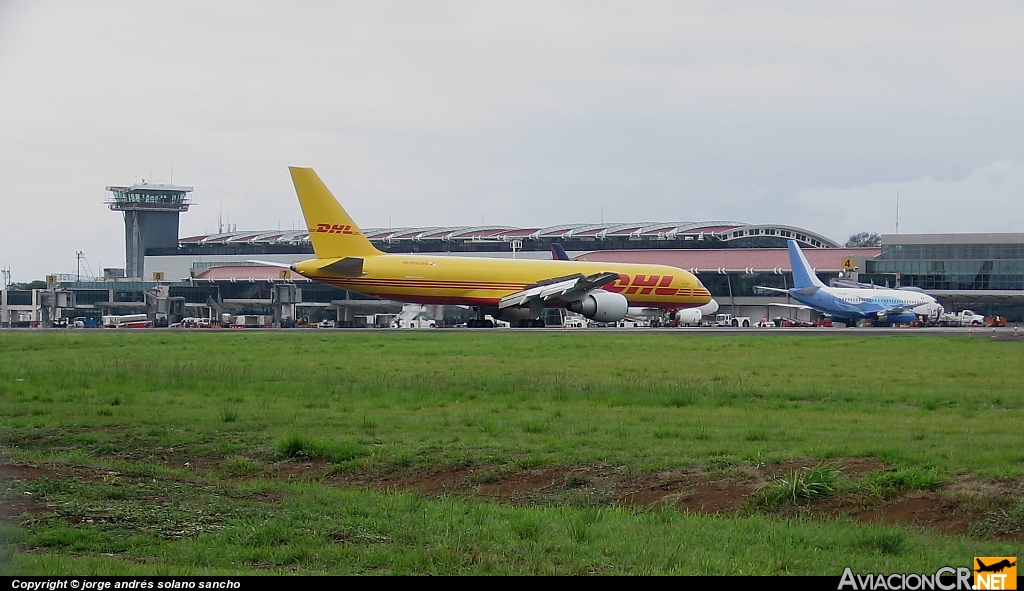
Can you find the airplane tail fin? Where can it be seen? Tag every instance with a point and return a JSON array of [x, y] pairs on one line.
[[803, 274], [331, 230], [558, 253]]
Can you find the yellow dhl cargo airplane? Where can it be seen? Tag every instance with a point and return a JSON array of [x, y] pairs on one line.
[[507, 289]]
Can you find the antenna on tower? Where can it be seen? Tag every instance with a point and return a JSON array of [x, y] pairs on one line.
[[897, 211]]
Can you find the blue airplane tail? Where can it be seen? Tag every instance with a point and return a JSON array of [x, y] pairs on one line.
[[803, 274]]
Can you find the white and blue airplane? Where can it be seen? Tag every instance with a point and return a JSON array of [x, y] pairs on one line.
[[892, 306]]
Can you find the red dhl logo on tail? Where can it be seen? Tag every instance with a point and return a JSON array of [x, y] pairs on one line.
[[335, 229]]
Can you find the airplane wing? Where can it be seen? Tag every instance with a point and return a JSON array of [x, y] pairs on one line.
[[346, 267], [879, 308], [566, 289], [795, 306], [803, 290], [271, 264]]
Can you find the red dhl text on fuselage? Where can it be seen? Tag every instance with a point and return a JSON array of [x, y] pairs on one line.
[[484, 281]]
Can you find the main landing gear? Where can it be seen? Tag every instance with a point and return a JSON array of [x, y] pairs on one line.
[[482, 320], [531, 323]]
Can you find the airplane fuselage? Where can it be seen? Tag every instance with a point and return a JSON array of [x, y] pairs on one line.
[[857, 303], [477, 281]]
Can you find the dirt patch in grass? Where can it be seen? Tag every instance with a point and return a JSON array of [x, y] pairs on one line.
[[699, 490], [973, 485], [30, 472], [848, 466], [16, 507], [194, 464], [431, 483], [957, 508], [703, 490], [661, 487], [310, 469], [716, 497], [249, 469], [524, 482], [25, 472], [851, 466], [267, 497], [923, 510]]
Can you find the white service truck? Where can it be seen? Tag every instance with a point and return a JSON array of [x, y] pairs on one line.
[[127, 321], [730, 320], [962, 318]]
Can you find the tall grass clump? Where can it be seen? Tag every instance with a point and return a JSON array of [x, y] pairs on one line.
[[297, 445], [293, 446], [887, 484], [526, 525], [799, 487], [886, 541], [238, 466]]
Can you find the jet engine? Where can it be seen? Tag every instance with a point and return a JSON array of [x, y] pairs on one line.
[[603, 306], [900, 318], [689, 316], [693, 316]]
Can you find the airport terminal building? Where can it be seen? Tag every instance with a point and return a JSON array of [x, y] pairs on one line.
[[981, 272], [210, 275]]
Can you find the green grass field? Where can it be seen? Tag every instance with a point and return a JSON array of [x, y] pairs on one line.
[[241, 452]]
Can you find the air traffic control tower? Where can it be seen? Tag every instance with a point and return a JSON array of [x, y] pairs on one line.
[[150, 219]]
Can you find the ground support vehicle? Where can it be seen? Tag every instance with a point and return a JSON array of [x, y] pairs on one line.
[[733, 321], [962, 318]]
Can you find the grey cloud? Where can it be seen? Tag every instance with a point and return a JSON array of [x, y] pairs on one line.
[[524, 113]]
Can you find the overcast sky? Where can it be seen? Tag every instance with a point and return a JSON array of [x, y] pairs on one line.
[[515, 113]]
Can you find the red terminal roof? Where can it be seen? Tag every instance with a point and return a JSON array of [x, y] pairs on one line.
[[519, 233], [709, 229], [722, 230], [624, 231], [762, 259]]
